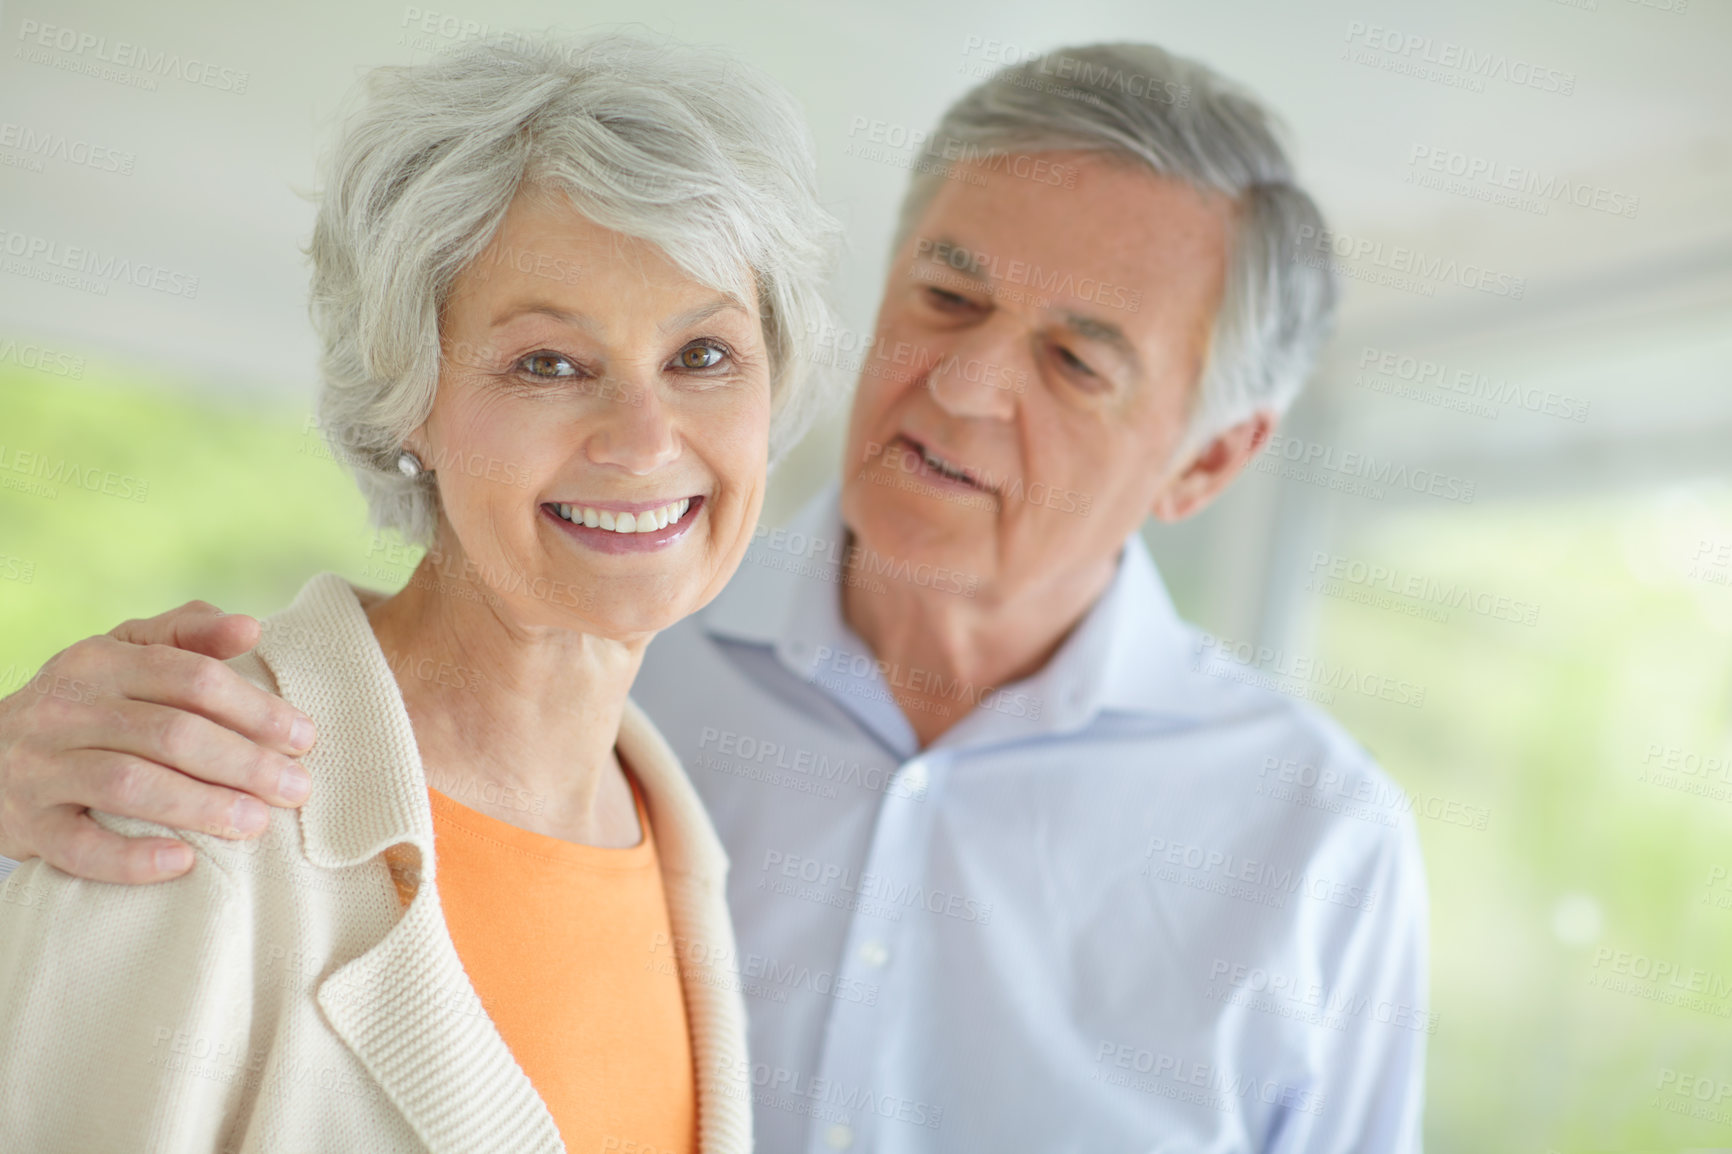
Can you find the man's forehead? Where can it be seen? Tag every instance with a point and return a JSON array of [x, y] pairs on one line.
[[1106, 211], [1122, 257]]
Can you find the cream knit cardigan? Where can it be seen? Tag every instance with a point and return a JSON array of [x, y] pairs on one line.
[[279, 997]]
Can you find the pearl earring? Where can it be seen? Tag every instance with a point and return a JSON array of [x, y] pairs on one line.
[[409, 464]]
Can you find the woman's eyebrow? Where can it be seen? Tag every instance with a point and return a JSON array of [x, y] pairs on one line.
[[542, 308], [702, 313], [578, 320]]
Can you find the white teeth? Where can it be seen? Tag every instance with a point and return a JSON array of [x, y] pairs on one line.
[[646, 522], [945, 467]]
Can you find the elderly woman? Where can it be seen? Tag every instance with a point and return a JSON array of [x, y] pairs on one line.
[[563, 296]]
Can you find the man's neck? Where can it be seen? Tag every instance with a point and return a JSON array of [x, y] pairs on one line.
[[942, 652]]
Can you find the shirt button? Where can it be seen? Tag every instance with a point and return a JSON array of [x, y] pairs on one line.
[[874, 953], [914, 776], [839, 1137]]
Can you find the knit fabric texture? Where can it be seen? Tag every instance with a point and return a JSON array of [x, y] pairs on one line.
[[279, 998]]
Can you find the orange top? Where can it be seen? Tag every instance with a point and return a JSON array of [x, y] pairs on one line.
[[568, 948]]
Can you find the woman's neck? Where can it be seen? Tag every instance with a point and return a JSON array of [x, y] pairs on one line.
[[517, 721]]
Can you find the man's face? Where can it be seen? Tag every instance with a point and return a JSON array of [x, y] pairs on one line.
[[1036, 355]]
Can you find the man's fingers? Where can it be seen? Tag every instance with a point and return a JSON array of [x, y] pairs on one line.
[[71, 841], [130, 786], [179, 740], [203, 685], [198, 627], [107, 724]]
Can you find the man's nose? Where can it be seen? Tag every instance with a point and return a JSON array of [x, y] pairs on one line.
[[634, 430], [976, 377]]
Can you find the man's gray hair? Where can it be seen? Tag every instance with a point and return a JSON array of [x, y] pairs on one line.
[[1183, 121], [687, 149]]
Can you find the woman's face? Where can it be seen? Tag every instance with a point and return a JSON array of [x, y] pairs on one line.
[[589, 390]]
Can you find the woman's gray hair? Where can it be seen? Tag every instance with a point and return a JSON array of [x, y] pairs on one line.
[[685, 148], [1184, 121]]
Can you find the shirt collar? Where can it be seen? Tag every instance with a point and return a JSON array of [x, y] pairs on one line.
[[769, 601], [1131, 652], [787, 595]]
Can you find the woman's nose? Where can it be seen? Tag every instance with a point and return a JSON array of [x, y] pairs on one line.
[[634, 430]]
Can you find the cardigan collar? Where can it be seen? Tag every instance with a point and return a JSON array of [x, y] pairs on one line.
[[370, 788], [406, 1007]]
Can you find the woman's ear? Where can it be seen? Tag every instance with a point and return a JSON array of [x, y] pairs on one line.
[[417, 440], [1213, 467]]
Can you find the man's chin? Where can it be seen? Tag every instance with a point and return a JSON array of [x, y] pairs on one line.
[[908, 543]]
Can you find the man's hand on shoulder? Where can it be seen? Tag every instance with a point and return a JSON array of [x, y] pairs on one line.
[[146, 722]]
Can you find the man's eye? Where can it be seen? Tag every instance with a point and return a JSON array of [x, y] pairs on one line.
[[701, 356], [945, 299], [548, 366], [1071, 361]]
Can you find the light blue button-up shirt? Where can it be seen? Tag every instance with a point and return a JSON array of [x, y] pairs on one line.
[[1123, 905]]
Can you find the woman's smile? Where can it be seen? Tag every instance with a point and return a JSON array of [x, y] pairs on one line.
[[625, 526]]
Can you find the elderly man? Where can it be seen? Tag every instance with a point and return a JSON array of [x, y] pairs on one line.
[[1012, 868]]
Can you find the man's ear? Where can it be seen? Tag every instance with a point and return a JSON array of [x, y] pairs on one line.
[[1213, 467]]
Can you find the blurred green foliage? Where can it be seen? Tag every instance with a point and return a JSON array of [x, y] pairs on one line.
[[241, 503], [1562, 730]]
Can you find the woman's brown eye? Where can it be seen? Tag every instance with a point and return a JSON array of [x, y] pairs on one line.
[[700, 357], [548, 365]]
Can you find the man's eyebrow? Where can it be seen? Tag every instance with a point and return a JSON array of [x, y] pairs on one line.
[[1106, 333], [1087, 327], [938, 254]]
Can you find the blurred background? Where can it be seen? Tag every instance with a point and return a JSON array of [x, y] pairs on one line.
[[1562, 593]]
